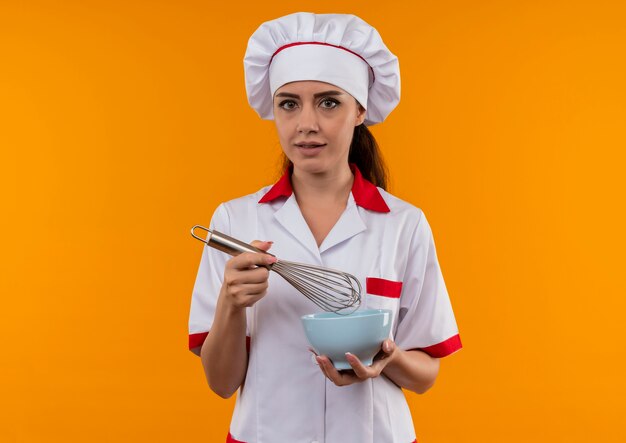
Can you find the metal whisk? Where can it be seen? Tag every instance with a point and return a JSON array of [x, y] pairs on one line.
[[331, 290]]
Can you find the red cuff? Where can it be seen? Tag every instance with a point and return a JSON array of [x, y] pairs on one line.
[[230, 439], [196, 341], [444, 348]]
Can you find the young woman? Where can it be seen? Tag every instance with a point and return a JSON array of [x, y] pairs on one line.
[[322, 78]]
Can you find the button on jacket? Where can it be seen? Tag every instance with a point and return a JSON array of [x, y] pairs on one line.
[[383, 241]]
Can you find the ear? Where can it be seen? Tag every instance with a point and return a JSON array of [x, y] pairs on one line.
[[360, 116]]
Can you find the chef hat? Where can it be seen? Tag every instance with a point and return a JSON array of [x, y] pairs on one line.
[[340, 49]]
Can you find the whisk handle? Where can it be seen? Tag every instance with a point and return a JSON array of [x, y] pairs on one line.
[[225, 243]]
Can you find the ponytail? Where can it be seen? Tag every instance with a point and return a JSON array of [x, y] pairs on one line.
[[365, 154]]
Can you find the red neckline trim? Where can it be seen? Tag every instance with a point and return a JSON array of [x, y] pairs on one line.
[[323, 44], [365, 194]]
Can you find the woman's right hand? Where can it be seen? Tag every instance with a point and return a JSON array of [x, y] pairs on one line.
[[245, 277]]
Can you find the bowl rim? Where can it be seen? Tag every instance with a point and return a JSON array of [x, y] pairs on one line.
[[331, 316]]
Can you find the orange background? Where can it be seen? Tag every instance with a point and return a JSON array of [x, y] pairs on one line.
[[123, 123]]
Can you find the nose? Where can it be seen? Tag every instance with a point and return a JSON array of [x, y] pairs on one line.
[[307, 120]]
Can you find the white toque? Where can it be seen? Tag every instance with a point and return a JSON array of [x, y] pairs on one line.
[[339, 49]]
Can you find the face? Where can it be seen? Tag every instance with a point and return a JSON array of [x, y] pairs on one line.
[[315, 123]]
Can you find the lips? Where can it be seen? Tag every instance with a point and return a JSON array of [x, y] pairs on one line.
[[310, 145]]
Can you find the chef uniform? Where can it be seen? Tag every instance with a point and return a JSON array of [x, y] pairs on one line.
[[383, 241]]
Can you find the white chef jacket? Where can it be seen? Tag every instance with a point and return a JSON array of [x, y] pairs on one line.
[[383, 241]]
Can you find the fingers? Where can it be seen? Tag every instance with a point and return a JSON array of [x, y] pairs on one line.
[[249, 289], [321, 363], [249, 260], [338, 378], [264, 245], [388, 347], [234, 276], [246, 276], [387, 350], [359, 371]]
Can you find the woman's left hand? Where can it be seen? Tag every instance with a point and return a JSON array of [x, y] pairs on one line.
[[359, 371]]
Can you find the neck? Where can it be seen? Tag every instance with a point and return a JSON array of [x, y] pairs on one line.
[[334, 184]]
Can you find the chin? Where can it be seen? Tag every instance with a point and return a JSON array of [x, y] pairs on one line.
[[313, 166]]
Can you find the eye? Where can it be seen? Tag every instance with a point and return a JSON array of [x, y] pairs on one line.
[[287, 104], [329, 103]]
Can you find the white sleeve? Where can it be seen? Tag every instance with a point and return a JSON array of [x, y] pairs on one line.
[[208, 284], [426, 319]]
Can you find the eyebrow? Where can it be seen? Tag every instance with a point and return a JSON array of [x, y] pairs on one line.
[[319, 94]]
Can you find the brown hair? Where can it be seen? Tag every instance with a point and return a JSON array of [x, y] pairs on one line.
[[365, 154]]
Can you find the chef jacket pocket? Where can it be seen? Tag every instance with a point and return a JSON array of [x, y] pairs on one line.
[[382, 293]]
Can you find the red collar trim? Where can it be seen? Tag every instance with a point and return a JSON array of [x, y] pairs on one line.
[[282, 188], [365, 194]]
